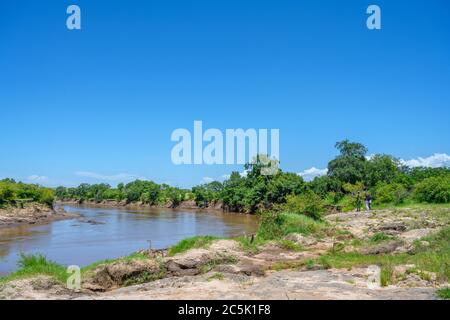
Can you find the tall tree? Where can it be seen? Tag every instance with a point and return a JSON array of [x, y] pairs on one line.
[[349, 165]]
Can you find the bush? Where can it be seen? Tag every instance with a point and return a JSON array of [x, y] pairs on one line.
[[11, 193], [348, 203], [390, 193], [277, 225], [308, 204], [46, 196], [433, 190], [6, 194]]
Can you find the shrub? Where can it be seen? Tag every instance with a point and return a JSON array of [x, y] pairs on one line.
[[433, 190], [11, 193], [390, 193], [6, 194], [277, 225], [46, 196], [348, 203], [308, 204]]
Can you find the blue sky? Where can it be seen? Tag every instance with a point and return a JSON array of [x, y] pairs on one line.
[[100, 104]]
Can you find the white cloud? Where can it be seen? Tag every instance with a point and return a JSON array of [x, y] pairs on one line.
[[225, 177], [244, 173], [311, 173], [434, 161], [121, 177], [37, 178], [207, 180]]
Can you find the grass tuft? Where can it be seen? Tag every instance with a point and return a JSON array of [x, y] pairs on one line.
[[216, 276], [36, 264], [191, 243], [380, 237], [444, 293]]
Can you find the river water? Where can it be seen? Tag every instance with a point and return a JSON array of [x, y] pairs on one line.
[[105, 233]]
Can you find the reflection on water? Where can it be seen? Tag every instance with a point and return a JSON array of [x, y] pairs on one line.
[[110, 233]]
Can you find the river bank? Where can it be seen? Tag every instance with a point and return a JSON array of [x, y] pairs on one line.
[[30, 214], [385, 254], [187, 204]]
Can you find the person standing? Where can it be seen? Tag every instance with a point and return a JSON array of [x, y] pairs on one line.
[[367, 201], [358, 201]]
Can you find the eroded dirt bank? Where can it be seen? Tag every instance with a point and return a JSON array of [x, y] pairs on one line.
[[224, 269], [31, 213]]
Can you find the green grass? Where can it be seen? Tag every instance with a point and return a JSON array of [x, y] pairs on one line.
[[249, 246], [191, 243], [37, 264], [412, 204], [289, 245], [216, 276], [380, 237], [433, 258], [386, 275], [443, 293], [277, 225]]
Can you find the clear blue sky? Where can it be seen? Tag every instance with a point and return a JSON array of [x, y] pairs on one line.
[[106, 99]]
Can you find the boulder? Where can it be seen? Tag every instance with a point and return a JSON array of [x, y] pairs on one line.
[[109, 276], [301, 239], [415, 234], [193, 261], [392, 227], [383, 248], [241, 268]]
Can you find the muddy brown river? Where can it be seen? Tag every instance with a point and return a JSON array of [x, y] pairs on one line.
[[105, 233]]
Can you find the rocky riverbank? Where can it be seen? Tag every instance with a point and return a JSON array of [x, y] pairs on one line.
[[388, 254], [31, 213]]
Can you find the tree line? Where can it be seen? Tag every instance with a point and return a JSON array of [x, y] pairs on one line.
[[17, 193], [385, 178]]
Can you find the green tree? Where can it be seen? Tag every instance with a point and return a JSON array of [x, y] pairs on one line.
[[349, 166], [381, 168]]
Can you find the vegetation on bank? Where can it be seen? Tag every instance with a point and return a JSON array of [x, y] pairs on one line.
[[14, 193], [30, 265], [191, 243], [37, 264], [435, 257], [351, 172], [444, 293]]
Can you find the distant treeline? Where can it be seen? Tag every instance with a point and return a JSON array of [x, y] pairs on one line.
[[147, 192], [382, 176], [17, 193]]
